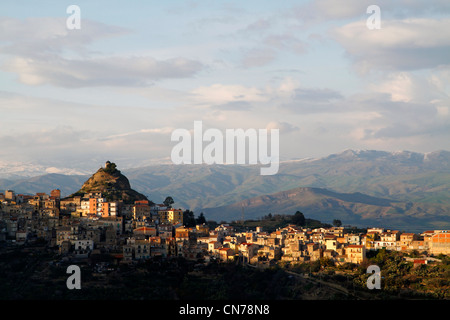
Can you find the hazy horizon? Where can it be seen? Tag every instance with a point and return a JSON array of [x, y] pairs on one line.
[[18, 170]]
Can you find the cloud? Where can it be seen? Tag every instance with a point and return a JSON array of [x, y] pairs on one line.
[[270, 47], [313, 100], [37, 37], [316, 95], [234, 106], [43, 51], [109, 71], [407, 86], [54, 138], [258, 26], [410, 44], [60, 143], [320, 11], [134, 134], [390, 120], [284, 127], [220, 94], [258, 57], [286, 42]]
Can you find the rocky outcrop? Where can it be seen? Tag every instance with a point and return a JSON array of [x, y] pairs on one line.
[[113, 185]]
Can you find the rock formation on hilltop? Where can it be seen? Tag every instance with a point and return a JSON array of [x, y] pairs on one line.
[[112, 184]]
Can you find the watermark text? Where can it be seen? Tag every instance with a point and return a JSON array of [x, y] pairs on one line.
[[228, 148]]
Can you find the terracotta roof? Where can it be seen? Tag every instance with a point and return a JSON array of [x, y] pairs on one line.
[[420, 261], [144, 229]]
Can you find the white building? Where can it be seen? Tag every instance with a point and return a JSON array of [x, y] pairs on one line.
[[85, 245]]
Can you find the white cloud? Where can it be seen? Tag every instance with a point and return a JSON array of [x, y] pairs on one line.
[[222, 93], [443, 111], [34, 37], [410, 44], [43, 51], [400, 86], [109, 71], [163, 131]]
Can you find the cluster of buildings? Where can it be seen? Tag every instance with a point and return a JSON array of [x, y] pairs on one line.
[[294, 244], [130, 233]]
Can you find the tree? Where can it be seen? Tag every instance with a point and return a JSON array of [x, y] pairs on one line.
[[337, 223], [188, 219], [298, 219], [111, 168], [201, 219], [168, 202]]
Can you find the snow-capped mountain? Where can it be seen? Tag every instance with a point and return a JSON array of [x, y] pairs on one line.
[[19, 170]]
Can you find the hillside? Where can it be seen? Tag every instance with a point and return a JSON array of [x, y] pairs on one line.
[[112, 184], [406, 177], [351, 208], [45, 183]]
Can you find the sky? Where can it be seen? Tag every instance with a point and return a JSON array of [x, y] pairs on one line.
[[117, 87]]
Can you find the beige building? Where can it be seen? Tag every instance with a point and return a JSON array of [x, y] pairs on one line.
[[353, 238], [355, 253], [141, 210], [440, 242], [331, 243], [226, 254], [173, 216], [406, 240], [10, 195], [248, 250]]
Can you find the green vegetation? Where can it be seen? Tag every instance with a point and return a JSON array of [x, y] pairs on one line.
[[403, 278], [337, 223], [189, 219], [271, 222], [111, 168], [28, 273], [25, 276], [113, 185], [168, 202], [399, 278], [298, 219]]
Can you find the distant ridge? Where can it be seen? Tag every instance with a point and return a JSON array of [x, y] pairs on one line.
[[325, 205], [421, 180]]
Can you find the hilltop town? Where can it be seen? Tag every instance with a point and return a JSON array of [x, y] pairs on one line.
[[91, 222], [139, 230]]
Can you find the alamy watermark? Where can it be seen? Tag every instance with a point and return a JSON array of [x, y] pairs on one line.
[[374, 21], [228, 148], [74, 20], [374, 281], [74, 281]]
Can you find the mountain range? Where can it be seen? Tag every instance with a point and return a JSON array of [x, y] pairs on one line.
[[360, 187]]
